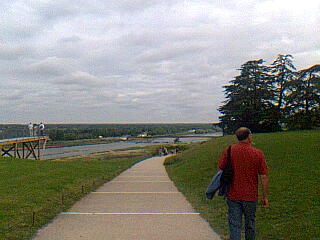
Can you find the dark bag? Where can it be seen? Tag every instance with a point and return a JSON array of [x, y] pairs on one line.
[[227, 173]]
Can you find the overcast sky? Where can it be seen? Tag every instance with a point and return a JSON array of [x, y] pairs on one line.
[[140, 60]]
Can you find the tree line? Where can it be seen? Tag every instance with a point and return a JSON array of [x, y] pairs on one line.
[[90, 131], [58, 132], [268, 98]]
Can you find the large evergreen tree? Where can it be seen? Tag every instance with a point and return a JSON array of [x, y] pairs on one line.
[[304, 99], [283, 72], [249, 99], [262, 97]]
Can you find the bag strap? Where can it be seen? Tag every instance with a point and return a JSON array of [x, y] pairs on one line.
[[229, 163]]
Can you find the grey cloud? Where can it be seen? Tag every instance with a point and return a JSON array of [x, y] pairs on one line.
[[79, 79], [50, 67], [139, 5], [57, 9], [13, 96], [172, 51], [72, 39], [13, 52], [18, 21]]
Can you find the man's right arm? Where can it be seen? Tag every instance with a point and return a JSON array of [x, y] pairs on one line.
[[265, 190]]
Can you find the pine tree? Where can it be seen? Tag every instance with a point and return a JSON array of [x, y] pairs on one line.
[[249, 99], [304, 99], [283, 72]]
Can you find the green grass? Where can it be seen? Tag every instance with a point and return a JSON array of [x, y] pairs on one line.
[[49, 187], [293, 160]]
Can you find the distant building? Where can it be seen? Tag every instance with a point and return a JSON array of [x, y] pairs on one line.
[[144, 134], [191, 131], [125, 138]]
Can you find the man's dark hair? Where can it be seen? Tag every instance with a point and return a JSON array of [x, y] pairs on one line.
[[243, 133]]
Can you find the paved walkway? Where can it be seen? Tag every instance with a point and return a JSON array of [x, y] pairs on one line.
[[140, 204]]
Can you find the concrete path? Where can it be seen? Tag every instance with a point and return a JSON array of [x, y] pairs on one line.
[[140, 204]]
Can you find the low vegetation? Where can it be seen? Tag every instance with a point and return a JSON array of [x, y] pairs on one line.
[[293, 160], [33, 192]]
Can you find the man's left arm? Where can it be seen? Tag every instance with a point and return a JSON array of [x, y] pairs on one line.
[[263, 172], [265, 191]]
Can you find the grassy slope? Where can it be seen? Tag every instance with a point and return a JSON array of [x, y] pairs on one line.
[[28, 186], [293, 160]]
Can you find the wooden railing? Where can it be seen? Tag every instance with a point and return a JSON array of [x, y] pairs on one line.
[[25, 147]]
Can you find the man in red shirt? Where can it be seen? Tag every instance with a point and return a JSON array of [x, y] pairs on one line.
[[247, 163]]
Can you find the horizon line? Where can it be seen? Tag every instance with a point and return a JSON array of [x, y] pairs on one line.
[[48, 123]]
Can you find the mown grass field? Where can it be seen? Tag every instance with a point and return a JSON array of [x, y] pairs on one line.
[[294, 164], [32, 192]]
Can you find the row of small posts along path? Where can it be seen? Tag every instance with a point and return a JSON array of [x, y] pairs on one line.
[[25, 147], [140, 204]]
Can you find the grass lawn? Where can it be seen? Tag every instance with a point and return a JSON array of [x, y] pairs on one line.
[[32, 192], [294, 163]]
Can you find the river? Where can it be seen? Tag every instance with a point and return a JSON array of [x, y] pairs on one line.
[[54, 153]]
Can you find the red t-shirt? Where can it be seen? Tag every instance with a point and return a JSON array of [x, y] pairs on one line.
[[247, 163]]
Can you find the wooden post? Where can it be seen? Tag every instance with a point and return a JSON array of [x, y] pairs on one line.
[[39, 149], [15, 149], [23, 150], [18, 153]]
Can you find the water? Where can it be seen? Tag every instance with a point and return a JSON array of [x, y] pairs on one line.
[[53, 153]]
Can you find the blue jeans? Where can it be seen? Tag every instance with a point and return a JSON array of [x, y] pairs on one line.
[[235, 211]]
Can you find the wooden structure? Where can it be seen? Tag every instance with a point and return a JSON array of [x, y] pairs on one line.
[[26, 147]]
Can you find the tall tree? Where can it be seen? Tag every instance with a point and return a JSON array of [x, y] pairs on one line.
[[283, 72], [304, 98], [249, 99]]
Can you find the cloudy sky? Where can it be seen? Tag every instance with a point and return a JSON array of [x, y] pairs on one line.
[[140, 60]]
